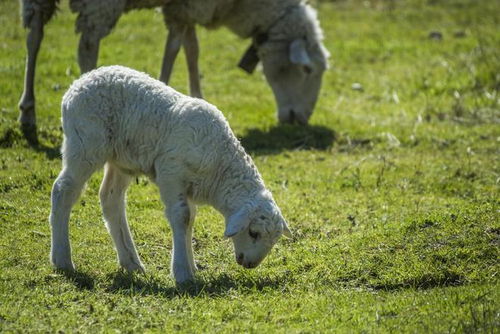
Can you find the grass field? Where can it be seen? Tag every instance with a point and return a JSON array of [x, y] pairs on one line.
[[392, 192]]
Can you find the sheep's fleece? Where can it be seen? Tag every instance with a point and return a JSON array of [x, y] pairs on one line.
[[286, 38], [133, 124]]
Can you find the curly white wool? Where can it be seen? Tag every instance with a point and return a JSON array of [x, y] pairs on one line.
[[133, 124]]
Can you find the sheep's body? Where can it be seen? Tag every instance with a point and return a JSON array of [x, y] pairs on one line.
[[273, 25], [137, 125], [244, 17]]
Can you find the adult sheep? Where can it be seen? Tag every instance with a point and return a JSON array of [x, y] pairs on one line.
[[133, 124], [285, 34]]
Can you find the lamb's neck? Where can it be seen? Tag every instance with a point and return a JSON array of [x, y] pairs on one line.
[[239, 182], [252, 17]]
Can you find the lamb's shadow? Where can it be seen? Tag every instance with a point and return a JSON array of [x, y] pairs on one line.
[[80, 279], [288, 137], [131, 284]]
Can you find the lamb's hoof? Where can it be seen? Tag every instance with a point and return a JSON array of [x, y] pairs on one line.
[[64, 266], [29, 132], [132, 267], [183, 278]]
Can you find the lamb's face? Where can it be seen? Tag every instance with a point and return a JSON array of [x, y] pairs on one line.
[[294, 73], [254, 231]]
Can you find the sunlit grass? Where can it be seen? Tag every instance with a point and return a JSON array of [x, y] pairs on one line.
[[391, 192]]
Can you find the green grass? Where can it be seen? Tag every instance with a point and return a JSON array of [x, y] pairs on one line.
[[392, 193]]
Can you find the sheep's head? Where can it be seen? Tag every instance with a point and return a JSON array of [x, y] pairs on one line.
[[294, 63], [254, 229]]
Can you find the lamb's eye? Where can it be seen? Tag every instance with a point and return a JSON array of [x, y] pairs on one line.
[[254, 235]]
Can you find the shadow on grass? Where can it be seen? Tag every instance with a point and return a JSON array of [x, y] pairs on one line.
[[131, 284], [15, 136], [288, 137], [438, 279], [425, 283], [50, 152], [81, 280]]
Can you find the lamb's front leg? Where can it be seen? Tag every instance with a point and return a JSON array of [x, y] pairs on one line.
[[179, 216], [189, 235]]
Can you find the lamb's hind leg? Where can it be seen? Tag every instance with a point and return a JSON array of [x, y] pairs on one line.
[[112, 195], [65, 192]]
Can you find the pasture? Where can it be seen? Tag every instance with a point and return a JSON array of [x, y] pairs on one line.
[[392, 191]]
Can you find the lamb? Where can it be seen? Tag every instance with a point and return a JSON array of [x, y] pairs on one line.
[[132, 124], [285, 35]]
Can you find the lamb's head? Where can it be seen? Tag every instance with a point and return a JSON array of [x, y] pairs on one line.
[[254, 229], [294, 60]]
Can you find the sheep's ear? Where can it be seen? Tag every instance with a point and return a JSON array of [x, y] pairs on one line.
[[237, 223], [286, 231], [299, 55]]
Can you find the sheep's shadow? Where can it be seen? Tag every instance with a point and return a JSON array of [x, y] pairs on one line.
[[13, 137], [288, 137], [50, 152], [131, 284]]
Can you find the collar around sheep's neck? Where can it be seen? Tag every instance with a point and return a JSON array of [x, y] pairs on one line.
[[250, 58]]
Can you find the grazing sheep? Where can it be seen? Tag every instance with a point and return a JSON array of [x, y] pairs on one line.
[[285, 35], [133, 124]]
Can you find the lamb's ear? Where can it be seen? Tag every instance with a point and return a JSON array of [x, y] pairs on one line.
[[237, 222], [298, 53], [286, 231]]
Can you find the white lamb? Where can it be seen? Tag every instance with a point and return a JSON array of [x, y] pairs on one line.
[[133, 124], [285, 35]]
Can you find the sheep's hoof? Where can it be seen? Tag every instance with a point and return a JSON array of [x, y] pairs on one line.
[[27, 118]]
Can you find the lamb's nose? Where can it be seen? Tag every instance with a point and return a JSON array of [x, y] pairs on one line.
[[239, 258]]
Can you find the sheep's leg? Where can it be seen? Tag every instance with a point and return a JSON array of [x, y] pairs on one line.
[[65, 192], [88, 51], [172, 47], [191, 49], [27, 117], [179, 216], [112, 195]]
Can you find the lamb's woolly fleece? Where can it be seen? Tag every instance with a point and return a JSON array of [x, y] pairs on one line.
[[140, 124], [135, 124]]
